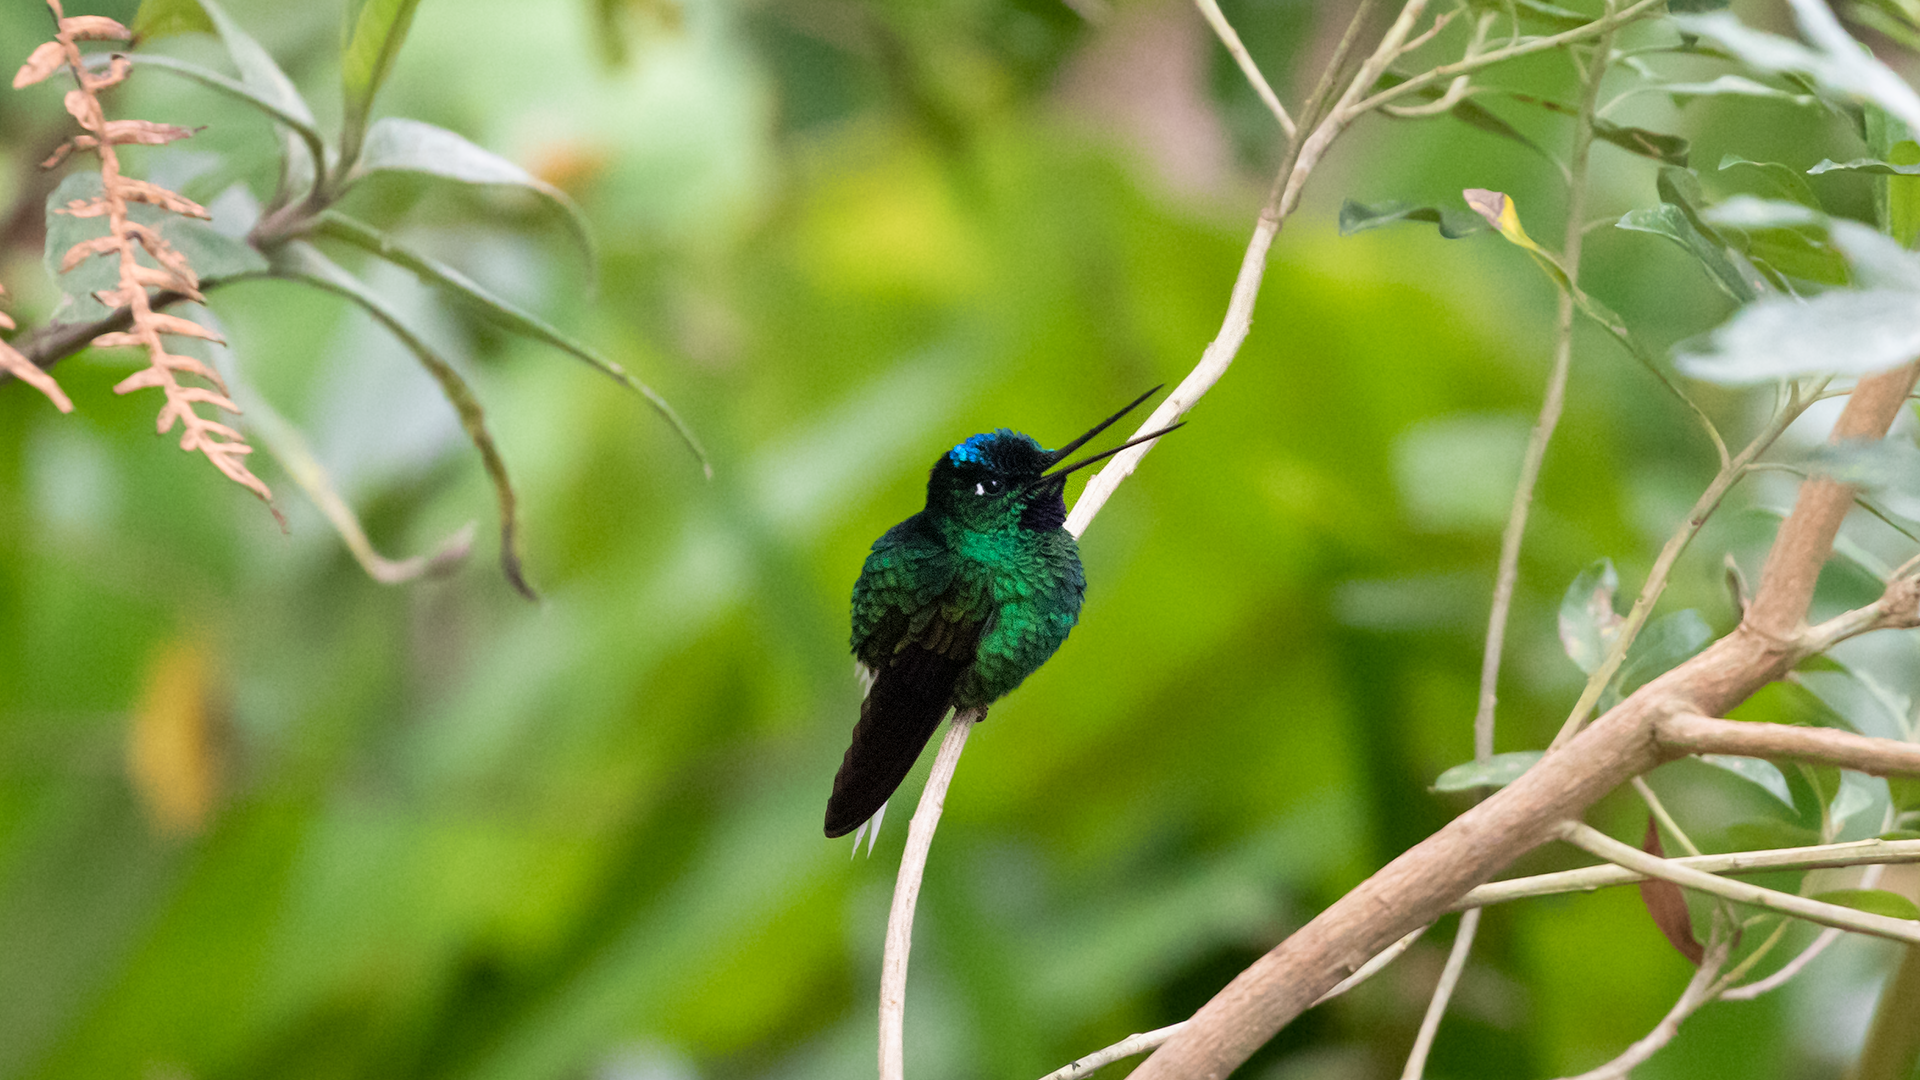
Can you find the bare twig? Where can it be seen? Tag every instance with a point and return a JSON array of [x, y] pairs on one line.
[[1442, 993], [1594, 842], [906, 894], [1225, 32], [1588, 879]]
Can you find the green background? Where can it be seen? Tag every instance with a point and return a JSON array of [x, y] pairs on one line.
[[457, 834]]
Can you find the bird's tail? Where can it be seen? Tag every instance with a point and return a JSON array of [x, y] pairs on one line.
[[901, 712]]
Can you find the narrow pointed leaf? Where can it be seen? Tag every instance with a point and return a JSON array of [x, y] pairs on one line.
[[1662, 645], [1785, 182], [502, 313], [377, 29], [312, 145], [156, 19], [259, 73], [1670, 149], [1588, 623], [1672, 223], [1495, 772], [1359, 217], [1834, 60], [1764, 774], [396, 143], [300, 261], [1732, 86], [1667, 905], [1877, 901]]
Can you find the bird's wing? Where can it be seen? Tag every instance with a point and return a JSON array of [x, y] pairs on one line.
[[916, 658]]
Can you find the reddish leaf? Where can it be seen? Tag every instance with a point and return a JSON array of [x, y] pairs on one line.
[[1667, 904]]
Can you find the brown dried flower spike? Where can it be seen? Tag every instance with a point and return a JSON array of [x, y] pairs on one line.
[[223, 445]]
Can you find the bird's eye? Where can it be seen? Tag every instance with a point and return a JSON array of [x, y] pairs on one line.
[[988, 487]]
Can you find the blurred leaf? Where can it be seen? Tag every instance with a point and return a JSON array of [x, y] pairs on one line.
[[259, 73], [1785, 181], [1537, 11], [173, 747], [1730, 86], [501, 313], [1495, 772], [378, 29], [156, 19], [1763, 773], [1694, 6], [1670, 149], [1669, 221], [1588, 623], [1887, 468], [1359, 217], [396, 143], [215, 257], [1844, 332], [299, 261], [1869, 166], [1666, 904], [1475, 115], [1856, 794], [1874, 901], [1903, 196], [1661, 646], [1835, 61], [1905, 792], [300, 125], [1900, 834]]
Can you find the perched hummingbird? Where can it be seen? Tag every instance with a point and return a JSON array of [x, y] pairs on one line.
[[960, 602]]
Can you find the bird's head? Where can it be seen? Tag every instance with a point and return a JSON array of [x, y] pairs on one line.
[[999, 479]]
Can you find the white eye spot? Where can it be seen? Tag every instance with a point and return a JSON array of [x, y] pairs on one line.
[[979, 489]]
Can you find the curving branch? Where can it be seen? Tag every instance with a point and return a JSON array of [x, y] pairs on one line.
[[1688, 733]]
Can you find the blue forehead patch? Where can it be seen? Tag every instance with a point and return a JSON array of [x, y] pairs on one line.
[[1000, 450]]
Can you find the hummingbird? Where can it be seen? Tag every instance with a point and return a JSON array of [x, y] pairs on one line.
[[958, 604]]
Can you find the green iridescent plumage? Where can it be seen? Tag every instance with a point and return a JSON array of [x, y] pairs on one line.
[[959, 603]]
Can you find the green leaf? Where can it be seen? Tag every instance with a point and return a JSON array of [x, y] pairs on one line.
[[1661, 646], [312, 145], [214, 257], [1753, 770], [1671, 149], [156, 19], [1731, 86], [1671, 222], [1475, 115], [259, 73], [1784, 181], [1856, 794], [1874, 901], [398, 144], [1844, 332], [1905, 792], [1496, 772], [1870, 166], [299, 261], [1900, 834], [501, 313], [1889, 469], [1588, 623], [1359, 217], [1691, 6], [377, 30]]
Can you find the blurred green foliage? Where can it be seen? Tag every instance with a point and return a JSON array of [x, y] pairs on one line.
[[443, 832]]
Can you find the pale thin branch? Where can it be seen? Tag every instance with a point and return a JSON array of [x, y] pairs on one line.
[[906, 894], [1442, 993], [1125, 1048], [1656, 583], [1597, 843], [1136, 1044], [1692, 734], [1591, 878], [1700, 990], [1470, 65], [1225, 32]]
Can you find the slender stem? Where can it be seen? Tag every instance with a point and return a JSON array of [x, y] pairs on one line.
[[1588, 879], [1701, 989], [1437, 1005], [1225, 32], [1659, 811], [906, 894], [1597, 843]]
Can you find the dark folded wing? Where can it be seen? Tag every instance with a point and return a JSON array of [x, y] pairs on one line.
[[912, 688]]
